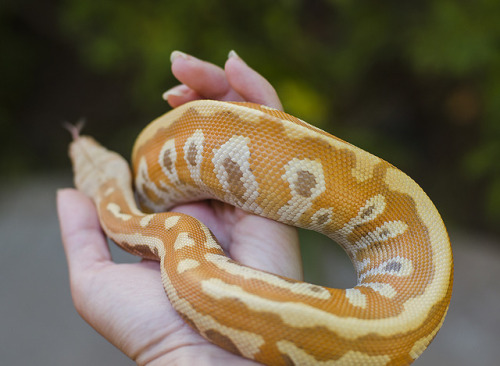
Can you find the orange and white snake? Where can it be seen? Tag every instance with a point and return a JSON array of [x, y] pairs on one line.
[[277, 166]]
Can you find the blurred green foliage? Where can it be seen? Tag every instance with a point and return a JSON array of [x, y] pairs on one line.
[[417, 83]]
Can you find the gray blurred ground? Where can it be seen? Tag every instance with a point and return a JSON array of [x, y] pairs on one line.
[[39, 326]]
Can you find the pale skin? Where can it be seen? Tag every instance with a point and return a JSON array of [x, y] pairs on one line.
[[126, 303]]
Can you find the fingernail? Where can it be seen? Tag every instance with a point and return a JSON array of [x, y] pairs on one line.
[[176, 54], [174, 91], [233, 54]]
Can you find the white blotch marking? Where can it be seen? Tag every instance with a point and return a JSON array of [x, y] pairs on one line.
[[301, 357], [187, 264], [387, 231], [397, 266], [365, 165], [116, 211], [267, 108], [143, 182], [193, 155], [322, 217], [171, 221], [249, 114], [299, 288], [372, 208], [109, 191], [210, 243], [152, 242], [177, 190], [236, 150], [295, 171], [383, 289], [183, 240], [361, 265], [167, 159], [146, 220], [356, 297]]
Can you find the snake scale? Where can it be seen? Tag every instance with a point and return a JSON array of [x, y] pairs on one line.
[[277, 166]]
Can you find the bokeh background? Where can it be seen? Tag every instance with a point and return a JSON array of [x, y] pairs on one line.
[[416, 83]]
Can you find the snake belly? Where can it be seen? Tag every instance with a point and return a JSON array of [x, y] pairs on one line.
[[277, 166]]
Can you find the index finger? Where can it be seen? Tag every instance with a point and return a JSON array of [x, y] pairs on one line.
[[200, 80]]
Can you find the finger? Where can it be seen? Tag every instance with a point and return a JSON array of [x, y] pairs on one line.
[[83, 240], [249, 84], [204, 78], [179, 95], [274, 247]]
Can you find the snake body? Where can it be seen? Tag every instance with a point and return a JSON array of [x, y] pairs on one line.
[[277, 166]]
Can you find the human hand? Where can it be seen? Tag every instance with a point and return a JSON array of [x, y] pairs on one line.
[[126, 303]]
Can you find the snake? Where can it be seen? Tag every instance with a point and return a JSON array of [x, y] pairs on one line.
[[272, 164]]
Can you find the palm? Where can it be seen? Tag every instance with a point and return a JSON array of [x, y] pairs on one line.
[[130, 299]]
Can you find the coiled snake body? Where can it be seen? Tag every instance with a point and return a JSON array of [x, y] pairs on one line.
[[275, 165]]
